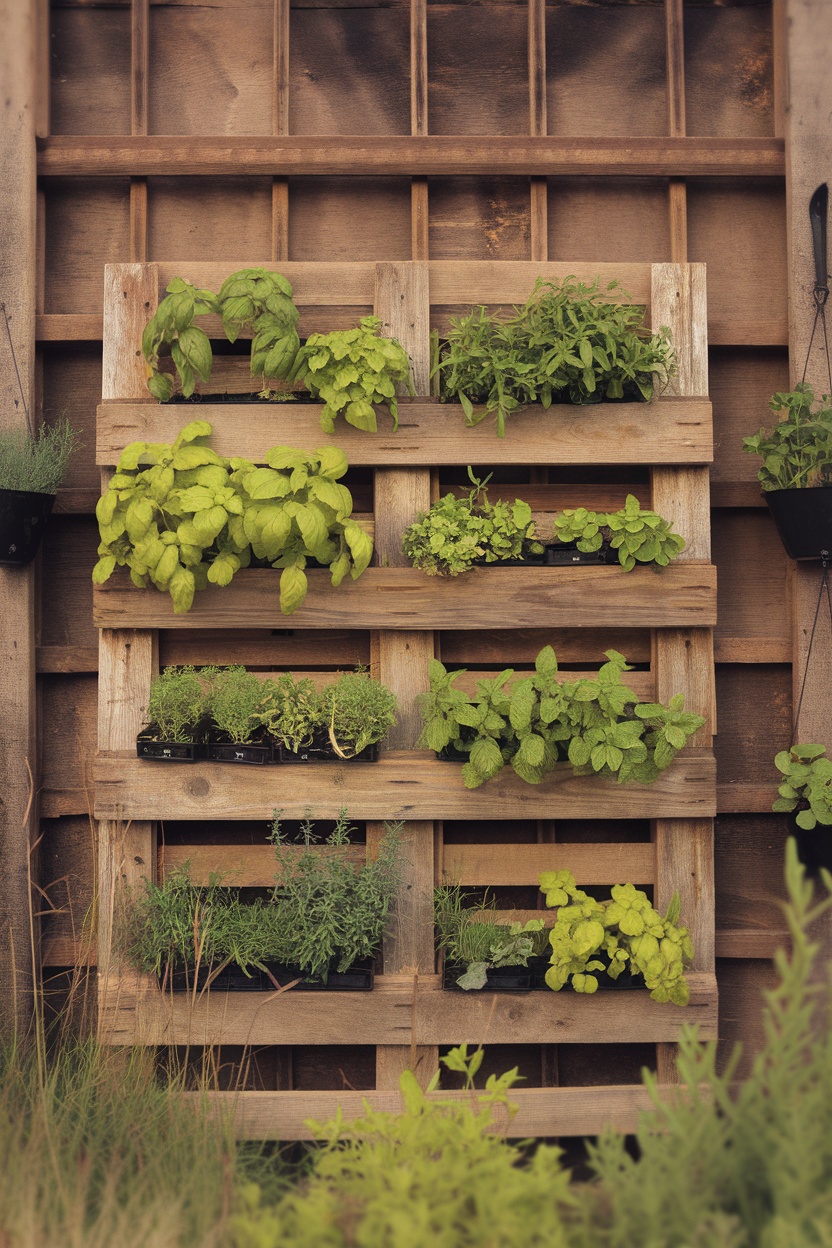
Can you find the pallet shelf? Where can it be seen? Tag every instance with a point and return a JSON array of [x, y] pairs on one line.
[[397, 609]]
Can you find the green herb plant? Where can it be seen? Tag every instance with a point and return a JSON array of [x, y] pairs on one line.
[[36, 464], [190, 347], [353, 370], [178, 702], [449, 538], [797, 452], [567, 342], [237, 703], [470, 937], [623, 934], [807, 785], [356, 712], [638, 536], [598, 724]]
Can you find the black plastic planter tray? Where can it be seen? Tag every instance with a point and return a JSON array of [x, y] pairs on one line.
[[450, 754], [803, 519], [151, 747], [23, 516], [359, 978], [566, 554], [320, 751], [193, 400], [254, 753], [498, 979], [528, 561]]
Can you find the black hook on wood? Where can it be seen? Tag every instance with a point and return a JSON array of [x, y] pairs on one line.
[[818, 213]]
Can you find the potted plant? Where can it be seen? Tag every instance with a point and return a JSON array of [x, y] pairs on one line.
[[595, 943], [345, 720], [566, 344], [320, 927], [629, 536], [796, 473], [32, 467], [353, 371], [458, 533], [480, 953], [237, 706], [805, 794], [597, 725], [177, 711]]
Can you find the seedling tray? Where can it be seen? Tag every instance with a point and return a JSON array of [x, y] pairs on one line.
[[359, 978], [566, 554], [320, 751], [155, 749], [498, 979], [252, 753], [528, 561]]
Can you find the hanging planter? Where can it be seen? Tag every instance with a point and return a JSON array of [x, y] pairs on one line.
[[805, 794], [804, 520], [23, 516]]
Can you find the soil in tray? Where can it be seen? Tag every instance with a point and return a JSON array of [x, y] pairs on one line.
[[149, 745], [498, 979], [256, 752], [359, 978], [321, 751]]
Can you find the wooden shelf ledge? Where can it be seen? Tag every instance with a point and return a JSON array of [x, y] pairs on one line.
[[133, 1010], [680, 596], [403, 785], [430, 433]]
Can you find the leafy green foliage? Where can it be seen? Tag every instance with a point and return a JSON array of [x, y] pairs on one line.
[[456, 531], [36, 464], [567, 343], [237, 703], [292, 710], [181, 516], [352, 370], [638, 536], [469, 936], [357, 711], [622, 934], [597, 724], [797, 452], [171, 923], [251, 299], [435, 1175], [807, 787], [178, 701]]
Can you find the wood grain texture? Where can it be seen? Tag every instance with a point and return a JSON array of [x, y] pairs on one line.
[[683, 595], [685, 861], [514, 865], [400, 786], [409, 156], [136, 1012], [666, 431], [131, 296]]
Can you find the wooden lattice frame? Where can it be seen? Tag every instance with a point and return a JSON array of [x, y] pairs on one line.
[[406, 1017]]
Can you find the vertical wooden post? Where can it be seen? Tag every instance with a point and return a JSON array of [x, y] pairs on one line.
[[18, 737], [419, 126], [127, 657], [403, 304], [280, 125], [139, 83], [539, 231], [677, 188]]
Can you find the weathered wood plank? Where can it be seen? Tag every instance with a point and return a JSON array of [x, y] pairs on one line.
[[666, 431], [400, 786], [136, 1012], [682, 595], [408, 156]]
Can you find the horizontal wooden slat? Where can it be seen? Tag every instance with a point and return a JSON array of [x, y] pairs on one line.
[[503, 865], [77, 500], [681, 595], [67, 658], [752, 650], [666, 431], [737, 494], [401, 786], [738, 799], [241, 866], [406, 156], [133, 1010], [336, 283], [748, 944], [740, 331], [540, 1111]]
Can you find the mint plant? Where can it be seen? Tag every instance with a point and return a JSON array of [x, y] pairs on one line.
[[566, 343], [598, 725], [178, 702], [807, 786], [624, 933], [352, 370], [797, 452], [638, 536], [457, 532]]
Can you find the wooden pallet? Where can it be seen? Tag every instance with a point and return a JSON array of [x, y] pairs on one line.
[[408, 1016]]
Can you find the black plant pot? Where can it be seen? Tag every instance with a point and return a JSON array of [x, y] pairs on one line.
[[23, 516], [498, 979], [149, 745], [528, 561], [358, 978], [450, 754], [257, 753], [814, 848], [803, 519], [321, 751], [565, 554], [180, 978]]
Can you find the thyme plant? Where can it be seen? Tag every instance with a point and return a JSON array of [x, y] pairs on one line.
[[178, 702], [237, 703], [38, 464]]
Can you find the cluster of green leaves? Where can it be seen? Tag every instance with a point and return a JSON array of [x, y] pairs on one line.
[[352, 370], [470, 937], [38, 464], [599, 725], [181, 516], [807, 787], [567, 343], [638, 536], [179, 700], [251, 299], [797, 452], [456, 531], [354, 711], [236, 702], [323, 912], [623, 934]]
